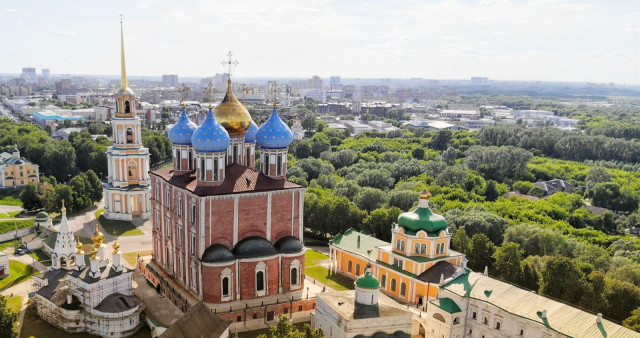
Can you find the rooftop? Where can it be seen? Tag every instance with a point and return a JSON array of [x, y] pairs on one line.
[[343, 302], [562, 318], [198, 322], [358, 243], [239, 179]]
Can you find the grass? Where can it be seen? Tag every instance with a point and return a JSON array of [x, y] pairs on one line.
[[10, 196], [7, 244], [20, 272], [313, 257], [336, 281], [9, 225], [122, 228], [10, 214], [14, 303], [255, 333], [38, 328], [131, 257], [41, 257]]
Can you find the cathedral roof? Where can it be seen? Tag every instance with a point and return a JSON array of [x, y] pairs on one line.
[[254, 246], [199, 321], [117, 302], [288, 244], [238, 179], [250, 134], [422, 218], [274, 134], [182, 131], [210, 137], [442, 268], [232, 114], [217, 253]]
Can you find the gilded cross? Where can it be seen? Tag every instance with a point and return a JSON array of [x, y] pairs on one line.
[[211, 92], [229, 63]]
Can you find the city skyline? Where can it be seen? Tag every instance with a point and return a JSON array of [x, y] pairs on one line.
[[546, 40]]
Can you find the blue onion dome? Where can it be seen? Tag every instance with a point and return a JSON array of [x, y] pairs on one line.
[[182, 131], [274, 134], [250, 134], [210, 137]]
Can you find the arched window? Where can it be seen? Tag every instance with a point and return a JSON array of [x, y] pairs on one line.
[[423, 249], [129, 135], [279, 165], [127, 107], [357, 269], [416, 249], [349, 267], [190, 161], [216, 170], [202, 170], [393, 284], [178, 159], [383, 280], [246, 160], [456, 320], [403, 289], [294, 276], [266, 164], [132, 170], [439, 317], [235, 153], [260, 281], [225, 286]]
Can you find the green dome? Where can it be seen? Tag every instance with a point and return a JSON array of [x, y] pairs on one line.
[[422, 219], [368, 281], [42, 215]]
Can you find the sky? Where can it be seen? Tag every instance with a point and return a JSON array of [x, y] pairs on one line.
[[539, 40]]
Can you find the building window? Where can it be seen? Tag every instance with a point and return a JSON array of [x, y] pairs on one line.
[[190, 161], [474, 315], [456, 320], [294, 276], [180, 243], [403, 289], [132, 170], [225, 286], [127, 107], [193, 212], [279, 165], [158, 220], [246, 160], [266, 164], [260, 281], [179, 206], [416, 249], [168, 228], [216, 170], [357, 269], [439, 317], [498, 324], [485, 321], [202, 170], [129, 135], [393, 284], [235, 153], [167, 201], [193, 244], [383, 280], [423, 249], [193, 276], [349, 266], [178, 159], [521, 332]]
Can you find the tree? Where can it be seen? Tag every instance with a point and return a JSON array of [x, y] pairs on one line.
[[348, 189], [633, 322], [596, 175], [460, 241], [29, 197], [477, 220], [530, 274], [284, 329], [369, 198], [609, 195], [8, 319], [377, 178], [449, 156], [507, 262], [480, 253], [403, 199], [379, 221], [95, 184], [623, 298], [451, 175], [491, 192], [523, 187], [309, 123], [562, 279], [441, 139], [418, 153]]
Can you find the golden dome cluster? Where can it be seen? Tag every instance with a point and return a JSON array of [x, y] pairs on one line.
[[232, 114]]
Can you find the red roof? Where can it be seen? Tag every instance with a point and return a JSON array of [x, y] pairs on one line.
[[239, 179]]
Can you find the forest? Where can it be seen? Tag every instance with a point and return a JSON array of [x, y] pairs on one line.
[[553, 245]]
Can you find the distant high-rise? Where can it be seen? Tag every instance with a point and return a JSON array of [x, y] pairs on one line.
[[29, 75], [170, 80], [46, 73]]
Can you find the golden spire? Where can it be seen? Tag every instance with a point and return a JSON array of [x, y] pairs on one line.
[[123, 69], [425, 194], [116, 246], [63, 210], [98, 237], [79, 250]]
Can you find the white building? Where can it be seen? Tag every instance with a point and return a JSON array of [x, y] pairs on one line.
[[356, 127], [456, 114], [365, 313]]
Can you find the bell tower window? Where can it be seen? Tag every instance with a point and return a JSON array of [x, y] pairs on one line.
[[127, 107], [279, 165], [129, 135]]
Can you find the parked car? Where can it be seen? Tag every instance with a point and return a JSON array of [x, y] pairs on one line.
[[19, 252]]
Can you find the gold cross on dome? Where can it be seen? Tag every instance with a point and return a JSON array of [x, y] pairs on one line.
[[229, 63], [211, 91]]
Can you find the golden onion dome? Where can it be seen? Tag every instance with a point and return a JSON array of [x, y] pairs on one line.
[[79, 250], [98, 237], [116, 246], [425, 194], [232, 114], [94, 253]]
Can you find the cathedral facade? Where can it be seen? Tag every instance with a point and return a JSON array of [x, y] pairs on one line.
[[225, 231], [127, 192]]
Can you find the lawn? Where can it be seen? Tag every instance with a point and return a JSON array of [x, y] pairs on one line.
[[14, 303], [10, 214], [336, 281], [255, 333], [131, 257], [41, 257], [9, 225], [122, 228], [313, 257], [10, 196], [7, 244], [38, 328], [20, 272]]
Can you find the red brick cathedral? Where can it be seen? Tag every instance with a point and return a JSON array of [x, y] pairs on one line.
[[225, 231]]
